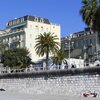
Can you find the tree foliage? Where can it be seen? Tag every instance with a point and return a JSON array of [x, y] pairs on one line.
[[60, 57], [46, 44], [2, 46], [16, 58], [90, 12]]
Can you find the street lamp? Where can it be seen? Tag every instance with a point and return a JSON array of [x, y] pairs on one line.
[[85, 55], [69, 46]]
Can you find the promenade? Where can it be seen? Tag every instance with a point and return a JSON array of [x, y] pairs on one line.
[[60, 85], [6, 95]]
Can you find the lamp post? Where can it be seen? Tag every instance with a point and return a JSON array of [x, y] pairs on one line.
[[85, 55], [69, 47], [97, 55]]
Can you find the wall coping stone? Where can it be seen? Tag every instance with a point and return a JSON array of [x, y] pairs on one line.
[[52, 73]]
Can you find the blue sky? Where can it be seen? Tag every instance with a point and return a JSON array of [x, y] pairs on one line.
[[63, 12]]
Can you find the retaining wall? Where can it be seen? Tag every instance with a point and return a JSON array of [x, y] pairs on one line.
[[61, 82]]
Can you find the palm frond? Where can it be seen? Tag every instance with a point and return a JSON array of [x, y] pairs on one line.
[[89, 11], [46, 44]]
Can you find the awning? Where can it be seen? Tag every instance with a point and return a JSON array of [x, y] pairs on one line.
[[18, 25], [76, 52]]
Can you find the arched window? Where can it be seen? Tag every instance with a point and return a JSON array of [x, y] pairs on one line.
[[41, 20], [36, 19]]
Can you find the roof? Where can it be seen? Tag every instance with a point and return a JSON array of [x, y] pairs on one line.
[[27, 17]]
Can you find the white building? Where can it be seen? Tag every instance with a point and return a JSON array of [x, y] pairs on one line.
[[21, 32]]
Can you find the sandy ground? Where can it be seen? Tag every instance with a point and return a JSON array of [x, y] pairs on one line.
[[8, 95]]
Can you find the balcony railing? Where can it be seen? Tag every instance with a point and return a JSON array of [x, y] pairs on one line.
[[15, 40], [6, 44], [17, 30]]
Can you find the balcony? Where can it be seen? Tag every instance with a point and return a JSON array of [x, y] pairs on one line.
[[89, 45], [90, 53], [6, 43], [16, 40], [17, 30], [14, 44]]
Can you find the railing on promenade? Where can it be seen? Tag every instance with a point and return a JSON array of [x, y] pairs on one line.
[[51, 73]]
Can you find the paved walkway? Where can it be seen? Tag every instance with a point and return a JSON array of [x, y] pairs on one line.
[[4, 95]]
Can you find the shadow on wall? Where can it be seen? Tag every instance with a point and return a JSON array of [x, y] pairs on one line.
[[48, 73]]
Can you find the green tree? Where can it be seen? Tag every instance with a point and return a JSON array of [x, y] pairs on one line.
[[90, 12], [46, 44], [2, 46], [59, 58], [16, 58]]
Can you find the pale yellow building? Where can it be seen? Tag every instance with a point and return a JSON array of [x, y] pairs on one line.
[[21, 32]]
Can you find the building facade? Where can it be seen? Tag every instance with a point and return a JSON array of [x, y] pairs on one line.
[[84, 44], [22, 32]]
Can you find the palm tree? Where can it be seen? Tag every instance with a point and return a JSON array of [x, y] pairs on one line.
[[46, 44], [59, 58], [90, 13]]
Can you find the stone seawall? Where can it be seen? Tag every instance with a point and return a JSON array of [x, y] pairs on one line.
[[65, 82]]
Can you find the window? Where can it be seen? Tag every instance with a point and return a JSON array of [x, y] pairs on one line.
[[30, 26], [8, 39], [30, 45], [76, 44], [86, 42], [53, 26], [22, 20], [46, 29], [36, 28], [90, 41], [13, 38], [79, 43], [36, 36], [41, 20], [14, 22], [82, 42], [94, 41], [90, 50], [30, 35], [23, 43], [18, 21], [10, 23], [94, 49], [36, 19], [41, 28], [23, 37]]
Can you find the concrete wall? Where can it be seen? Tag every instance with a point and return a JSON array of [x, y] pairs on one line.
[[65, 82]]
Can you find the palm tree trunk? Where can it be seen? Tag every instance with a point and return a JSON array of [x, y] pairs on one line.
[[47, 58]]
